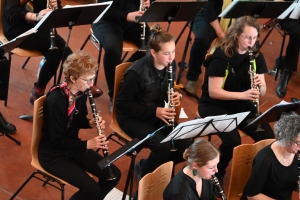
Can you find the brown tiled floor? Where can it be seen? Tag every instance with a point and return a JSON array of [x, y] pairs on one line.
[[15, 160]]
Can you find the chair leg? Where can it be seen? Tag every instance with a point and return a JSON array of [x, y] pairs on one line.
[[48, 178], [23, 185], [26, 61]]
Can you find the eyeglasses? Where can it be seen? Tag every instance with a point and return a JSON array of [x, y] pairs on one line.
[[89, 80], [297, 143], [249, 38]]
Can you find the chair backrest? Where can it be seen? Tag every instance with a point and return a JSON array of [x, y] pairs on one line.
[[242, 159], [152, 185], [119, 78], [37, 129]]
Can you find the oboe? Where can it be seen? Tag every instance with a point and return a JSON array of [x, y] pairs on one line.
[[52, 31], [143, 27], [110, 174], [253, 86], [217, 184], [170, 103]]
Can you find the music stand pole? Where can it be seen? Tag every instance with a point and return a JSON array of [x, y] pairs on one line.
[[129, 149]]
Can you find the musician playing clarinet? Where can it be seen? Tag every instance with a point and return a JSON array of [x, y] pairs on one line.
[[21, 15], [141, 102], [61, 151], [232, 87], [118, 24], [275, 170]]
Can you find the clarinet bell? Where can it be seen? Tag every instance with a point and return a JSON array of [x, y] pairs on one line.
[[110, 174], [172, 146]]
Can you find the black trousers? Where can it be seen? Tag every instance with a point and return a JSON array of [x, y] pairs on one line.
[[204, 36], [41, 41], [160, 152], [233, 139], [292, 26], [111, 36], [72, 170]]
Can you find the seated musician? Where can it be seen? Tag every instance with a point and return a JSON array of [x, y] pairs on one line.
[[61, 152], [275, 168], [290, 63], [19, 17], [140, 102], [228, 90], [194, 180], [118, 24]]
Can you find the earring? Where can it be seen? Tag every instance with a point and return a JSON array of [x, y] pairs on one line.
[[195, 172]]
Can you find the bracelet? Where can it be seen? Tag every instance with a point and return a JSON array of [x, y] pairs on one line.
[[36, 16]]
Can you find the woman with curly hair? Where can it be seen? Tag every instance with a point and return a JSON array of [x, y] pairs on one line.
[[276, 165]]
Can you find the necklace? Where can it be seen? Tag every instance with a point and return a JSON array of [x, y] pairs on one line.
[[288, 161]]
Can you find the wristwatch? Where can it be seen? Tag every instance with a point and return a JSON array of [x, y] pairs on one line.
[[36, 16]]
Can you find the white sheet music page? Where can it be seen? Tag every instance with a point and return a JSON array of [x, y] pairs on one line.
[[228, 8], [296, 12], [230, 122], [287, 11]]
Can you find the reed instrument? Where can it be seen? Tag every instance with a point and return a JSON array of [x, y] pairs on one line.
[[143, 27], [215, 180], [252, 73], [170, 103], [298, 175], [53, 45], [110, 174]]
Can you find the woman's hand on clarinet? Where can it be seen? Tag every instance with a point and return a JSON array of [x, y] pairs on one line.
[[131, 17], [101, 123], [42, 13], [176, 97], [251, 94], [165, 114], [97, 142]]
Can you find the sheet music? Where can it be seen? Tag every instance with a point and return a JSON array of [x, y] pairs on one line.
[[263, 114], [287, 11], [296, 12], [228, 8], [193, 128]]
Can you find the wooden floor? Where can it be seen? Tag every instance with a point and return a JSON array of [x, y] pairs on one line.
[[15, 160]]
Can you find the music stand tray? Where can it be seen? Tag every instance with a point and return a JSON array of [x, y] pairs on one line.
[[273, 114], [257, 9], [171, 11]]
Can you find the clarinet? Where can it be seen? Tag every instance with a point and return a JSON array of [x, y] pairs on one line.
[[53, 45], [170, 103], [253, 86], [298, 175], [110, 174], [215, 180], [143, 27]]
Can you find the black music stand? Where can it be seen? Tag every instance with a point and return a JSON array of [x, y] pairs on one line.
[[257, 9], [206, 126], [130, 149], [70, 16], [273, 114]]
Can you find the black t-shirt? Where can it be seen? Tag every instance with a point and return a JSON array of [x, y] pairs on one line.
[[270, 177], [183, 187], [237, 79]]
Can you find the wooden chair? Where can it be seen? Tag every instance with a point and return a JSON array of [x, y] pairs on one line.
[[35, 142], [127, 47], [17, 51], [152, 185], [243, 156], [114, 125]]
